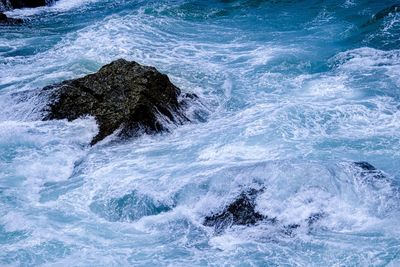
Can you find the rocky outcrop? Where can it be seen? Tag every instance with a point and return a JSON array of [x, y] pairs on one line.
[[11, 4], [121, 95], [382, 14], [4, 20], [387, 11]]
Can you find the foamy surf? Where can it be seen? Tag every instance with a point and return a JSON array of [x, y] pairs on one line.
[[299, 102]]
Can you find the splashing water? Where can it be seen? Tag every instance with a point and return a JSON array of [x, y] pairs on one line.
[[294, 92]]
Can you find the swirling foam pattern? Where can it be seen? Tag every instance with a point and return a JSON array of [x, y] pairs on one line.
[[293, 93]]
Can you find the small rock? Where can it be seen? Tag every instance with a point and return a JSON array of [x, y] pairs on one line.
[[365, 166], [387, 11], [315, 217], [240, 212], [369, 172], [382, 14], [4, 20]]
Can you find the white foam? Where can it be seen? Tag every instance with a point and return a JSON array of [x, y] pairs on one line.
[[367, 60], [267, 129], [44, 151]]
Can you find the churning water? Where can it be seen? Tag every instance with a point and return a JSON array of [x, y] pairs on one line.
[[293, 92]]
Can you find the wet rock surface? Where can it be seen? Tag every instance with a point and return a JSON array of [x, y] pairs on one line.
[[243, 211], [368, 172], [11, 4], [122, 95], [240, 212], [387, 11], [4, 20], [383, 14]]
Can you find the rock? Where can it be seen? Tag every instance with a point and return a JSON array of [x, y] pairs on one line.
[[240, 212], [382, 14], [27, 3], [315, 217], [365, 166], [10, 4], [387, 11], [121, 95], [4, 20], [368, 172], [4, 5]]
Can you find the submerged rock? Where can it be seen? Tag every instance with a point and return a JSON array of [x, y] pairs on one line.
[[130, 207], [121, 95], [4, 20]]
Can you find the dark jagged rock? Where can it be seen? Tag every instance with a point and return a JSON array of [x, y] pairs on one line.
[[11, 4], [369, 172], [365, 166], [121, 95], [382, 14], [27, 3], [387, 11], [240, 212], [315, 217], [4, 20]]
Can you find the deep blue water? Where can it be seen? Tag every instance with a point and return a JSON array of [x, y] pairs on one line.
[[292, 92]]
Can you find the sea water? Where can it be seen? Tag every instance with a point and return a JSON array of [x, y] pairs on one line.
[[292, 93]]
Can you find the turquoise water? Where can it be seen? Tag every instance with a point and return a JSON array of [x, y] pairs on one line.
[[292, 92]]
